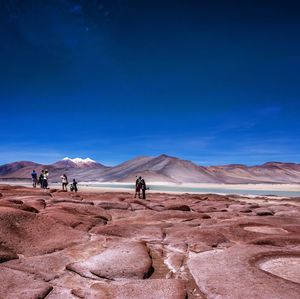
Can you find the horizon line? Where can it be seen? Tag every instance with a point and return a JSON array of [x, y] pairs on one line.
[[150, 156]]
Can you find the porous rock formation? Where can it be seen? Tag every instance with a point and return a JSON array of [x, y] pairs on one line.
[[110, 245]]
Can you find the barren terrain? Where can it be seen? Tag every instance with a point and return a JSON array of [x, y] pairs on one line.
[[56, 244]]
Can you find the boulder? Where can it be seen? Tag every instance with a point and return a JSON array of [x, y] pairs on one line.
[[123, 260], [31, 234], [263, 212]]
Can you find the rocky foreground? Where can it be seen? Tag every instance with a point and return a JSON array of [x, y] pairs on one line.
[[109, 245]]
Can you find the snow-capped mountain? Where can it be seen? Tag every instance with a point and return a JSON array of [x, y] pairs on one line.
[[162, 168], [77, 163], [80, 162]]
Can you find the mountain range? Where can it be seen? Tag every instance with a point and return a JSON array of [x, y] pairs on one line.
[[162, 168]]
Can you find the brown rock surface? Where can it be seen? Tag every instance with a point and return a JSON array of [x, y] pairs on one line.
[[16, 284], [217, 272], [31, 234], [110, 245], [7, 254], [128, 260], [155, 288]]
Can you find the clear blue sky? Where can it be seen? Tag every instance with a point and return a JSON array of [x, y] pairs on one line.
[[215, 82]]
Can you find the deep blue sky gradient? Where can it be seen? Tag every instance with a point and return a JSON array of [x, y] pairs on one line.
[[215, 82]]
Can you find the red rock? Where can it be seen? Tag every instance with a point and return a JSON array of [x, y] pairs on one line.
[[144, 289], [192, 235], [29, 233], [7, 254], [17, 204], [60, 293], [114, 205], [79, 216], [16, 284], [290, 213], [131, 230], [124, 243], [230, 274], [263, 212], [46, 267], [179, 207], [128, 260], [281, 241], [240, 208]]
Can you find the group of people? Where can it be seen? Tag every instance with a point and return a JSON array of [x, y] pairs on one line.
[[140, 185], [42, 180], [65, 183]]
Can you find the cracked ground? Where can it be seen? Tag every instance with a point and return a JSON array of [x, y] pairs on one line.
[[55, 244]]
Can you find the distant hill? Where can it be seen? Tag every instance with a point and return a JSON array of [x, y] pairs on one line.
[[162, 168]]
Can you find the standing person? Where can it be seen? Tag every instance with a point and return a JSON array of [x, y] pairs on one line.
[[138, 186], [41, 179], [144, 188], [73, 186], [34, 178], [64, 182], [45, 180]]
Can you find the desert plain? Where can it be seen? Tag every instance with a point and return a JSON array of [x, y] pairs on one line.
[[57, 244]]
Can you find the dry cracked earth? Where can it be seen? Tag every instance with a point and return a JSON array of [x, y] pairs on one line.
[[109, 245]]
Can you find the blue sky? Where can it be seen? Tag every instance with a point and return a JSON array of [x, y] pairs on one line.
[[215, 82]]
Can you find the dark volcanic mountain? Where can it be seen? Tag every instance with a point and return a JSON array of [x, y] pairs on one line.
[[162, 168], [271, 172], [15, 166], [73, 168]]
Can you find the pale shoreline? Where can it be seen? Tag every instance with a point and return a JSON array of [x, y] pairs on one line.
[[262, 187], [204, 188]]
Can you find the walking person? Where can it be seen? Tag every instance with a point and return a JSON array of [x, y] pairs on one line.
[[34, 178], [64, 182]]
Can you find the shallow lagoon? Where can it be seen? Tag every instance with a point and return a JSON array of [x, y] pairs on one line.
[[184, 189]]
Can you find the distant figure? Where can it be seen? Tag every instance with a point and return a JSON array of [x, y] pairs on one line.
[[73, 186], [45, 179], [41, 179], [34, 178], [64, 182], [138, 186], [144, 188]]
